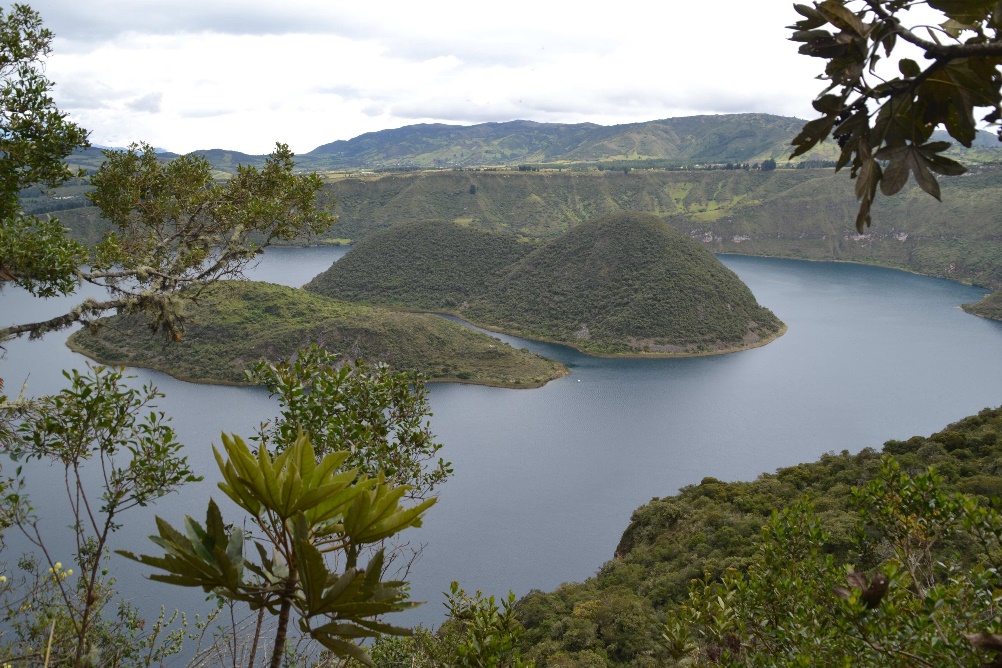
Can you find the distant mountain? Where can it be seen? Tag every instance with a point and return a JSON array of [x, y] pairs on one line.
[[729, 138], [686, 141]]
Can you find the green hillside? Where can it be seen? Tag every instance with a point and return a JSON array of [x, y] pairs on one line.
[[243, 322], [800, 213], [434, 265], [989, 307], [623, 284], [614, 618], [626, 284]]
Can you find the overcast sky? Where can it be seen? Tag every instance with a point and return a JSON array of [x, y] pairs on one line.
[[243, 74]]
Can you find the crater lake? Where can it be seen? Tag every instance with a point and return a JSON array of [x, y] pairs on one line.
[[546, 479]]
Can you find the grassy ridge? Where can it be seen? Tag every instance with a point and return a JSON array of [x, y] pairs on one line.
[[243, 322], [708, 528], [625, 284]]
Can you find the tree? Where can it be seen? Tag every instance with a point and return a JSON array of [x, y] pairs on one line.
[[303, 509], [176, 231], [883, 119], [479, 633], [34, 135], [175, 228], [34, 138], [95, 422], [378, 415]]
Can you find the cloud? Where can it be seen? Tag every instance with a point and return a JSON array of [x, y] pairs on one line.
[[80, 95], [204, 113], [149, 103], [96, 21], [243, 74]]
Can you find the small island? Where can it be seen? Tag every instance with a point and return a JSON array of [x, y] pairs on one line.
[[627, 284], [242, 322]]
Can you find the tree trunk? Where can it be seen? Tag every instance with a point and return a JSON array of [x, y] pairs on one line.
[[283, 619]]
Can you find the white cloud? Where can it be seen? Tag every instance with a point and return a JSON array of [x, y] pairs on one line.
[[189, 74], [149, 103]]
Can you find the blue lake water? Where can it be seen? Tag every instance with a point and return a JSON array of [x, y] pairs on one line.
[[546, 479]]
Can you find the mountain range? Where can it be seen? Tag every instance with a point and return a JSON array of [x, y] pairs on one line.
[[691, 140]]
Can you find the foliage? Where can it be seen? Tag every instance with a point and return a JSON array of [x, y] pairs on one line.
[[711, 531], [96, 422], [379, 417], [304, 507], [175, 232], [34, 138], [884, 120], [237, 323], [989, 307], [626, 284], [478, 633], [790, 608], [482, 634], [34, 135]]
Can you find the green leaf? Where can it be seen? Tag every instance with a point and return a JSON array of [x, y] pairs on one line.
[[923, 176], [312, 570], [964, 11], [909, 68], [841, 17], [895, 176], [813, 18], [342, 648], [812, 133]]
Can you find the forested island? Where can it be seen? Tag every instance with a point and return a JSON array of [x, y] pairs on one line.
[[626, 284]]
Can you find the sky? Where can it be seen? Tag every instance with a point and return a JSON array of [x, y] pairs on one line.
[[241, 75]]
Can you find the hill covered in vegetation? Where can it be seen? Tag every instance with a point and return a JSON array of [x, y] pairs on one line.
[[674, 168], [676, 543], [989, 307], [242, 322], [623, 284], [434, 265]]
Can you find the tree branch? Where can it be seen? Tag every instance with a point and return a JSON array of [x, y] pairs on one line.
[[82, 313], [932, 49]]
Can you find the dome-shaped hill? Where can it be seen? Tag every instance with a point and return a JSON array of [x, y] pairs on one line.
[[433, 265], [626, 284]]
